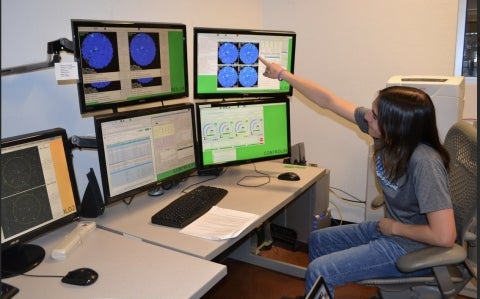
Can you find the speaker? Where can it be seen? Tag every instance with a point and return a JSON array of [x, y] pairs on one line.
[[297, 155], [302, 160], [92, 202]]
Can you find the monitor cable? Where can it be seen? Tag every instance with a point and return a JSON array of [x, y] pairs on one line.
[[262, 175], [213, 177]]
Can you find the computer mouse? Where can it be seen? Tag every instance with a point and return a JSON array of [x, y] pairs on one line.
[[81, 277], [289, 176]]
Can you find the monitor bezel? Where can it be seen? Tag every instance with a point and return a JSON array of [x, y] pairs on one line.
[[200, 162], [239, 94], [98, 120], [48, 227], [114, 106]]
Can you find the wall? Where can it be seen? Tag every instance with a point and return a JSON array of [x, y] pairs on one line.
[[353, 47], [34, 101], [350, 46]]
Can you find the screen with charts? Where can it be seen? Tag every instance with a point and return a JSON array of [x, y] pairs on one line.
[[128, 63], [39, 194], [141, 149], [226, 62], [244, 131]]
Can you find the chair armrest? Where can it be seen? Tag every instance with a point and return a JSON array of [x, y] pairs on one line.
[[431, 257]]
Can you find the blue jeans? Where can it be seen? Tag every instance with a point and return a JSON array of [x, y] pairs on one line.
[[350, 253]]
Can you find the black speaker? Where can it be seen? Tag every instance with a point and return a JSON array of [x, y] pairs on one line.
[[297, 155], [92, 202]]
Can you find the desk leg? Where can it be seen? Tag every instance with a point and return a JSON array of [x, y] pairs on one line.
[[267, 240], [244, 253]]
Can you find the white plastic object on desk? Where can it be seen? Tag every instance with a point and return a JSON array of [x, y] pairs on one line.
[[72, 240]]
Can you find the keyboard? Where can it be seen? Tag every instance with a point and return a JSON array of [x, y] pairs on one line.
[[7, 291], [189, 206]]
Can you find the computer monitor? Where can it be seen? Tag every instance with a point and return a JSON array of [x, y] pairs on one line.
[[129, 63], [226, 62], [39, 194], [243, 131], [142, 149]]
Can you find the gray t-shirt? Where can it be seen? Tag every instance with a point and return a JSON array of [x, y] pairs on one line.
[[423, 189]]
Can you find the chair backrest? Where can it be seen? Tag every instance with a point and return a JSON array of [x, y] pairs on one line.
[[461, 144]]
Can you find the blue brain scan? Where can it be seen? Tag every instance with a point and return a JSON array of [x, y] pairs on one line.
[[100, 85], [145, 80], [249, 53], [142, 49], [248, 76], [97, 50], [228, 53], [227, 76]]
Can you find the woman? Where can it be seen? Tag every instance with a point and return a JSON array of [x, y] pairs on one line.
[[411, 166]]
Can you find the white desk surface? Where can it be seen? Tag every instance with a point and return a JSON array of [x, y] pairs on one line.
[[135, 219], [127, 269]]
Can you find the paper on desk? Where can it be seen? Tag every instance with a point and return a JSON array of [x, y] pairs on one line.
[[220, 224]]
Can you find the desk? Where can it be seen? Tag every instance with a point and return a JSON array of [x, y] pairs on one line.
[[127, 269], [135, 219]]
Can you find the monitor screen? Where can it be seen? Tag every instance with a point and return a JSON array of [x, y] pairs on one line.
[[226, 62], [141, 149], [128, 63], [39, 194], [244, 131]]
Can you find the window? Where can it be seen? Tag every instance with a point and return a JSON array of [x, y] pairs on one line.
[[467, 39]]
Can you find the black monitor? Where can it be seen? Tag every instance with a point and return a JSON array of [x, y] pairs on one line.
[[243, 131], [129, 63], [142, 149], [226, 62], [39, 194]]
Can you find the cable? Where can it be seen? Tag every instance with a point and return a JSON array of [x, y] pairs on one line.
[[6, 272], [39, 275], [209, 179], [263, 175], [355, 199], [129, 201], [338, 210]]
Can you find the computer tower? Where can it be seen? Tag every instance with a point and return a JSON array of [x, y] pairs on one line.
[[309, 211]]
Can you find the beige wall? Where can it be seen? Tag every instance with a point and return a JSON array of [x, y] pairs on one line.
[[353, 47]]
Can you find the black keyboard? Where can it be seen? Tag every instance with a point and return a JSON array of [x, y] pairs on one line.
[[189, 206], [8, 291]]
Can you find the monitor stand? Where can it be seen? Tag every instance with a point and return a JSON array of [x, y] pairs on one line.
[[210, 172], [20, 259]]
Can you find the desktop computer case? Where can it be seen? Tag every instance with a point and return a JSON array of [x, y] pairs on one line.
[[309, 211]]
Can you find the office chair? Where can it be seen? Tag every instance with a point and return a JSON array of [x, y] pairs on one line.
[[451, 269]]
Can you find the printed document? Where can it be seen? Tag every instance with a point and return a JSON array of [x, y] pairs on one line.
[[220, 224]]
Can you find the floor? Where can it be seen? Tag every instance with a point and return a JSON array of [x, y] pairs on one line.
[[245, 281]]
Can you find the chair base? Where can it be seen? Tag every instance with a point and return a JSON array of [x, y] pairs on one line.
[[470, 290], [423, 292]]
